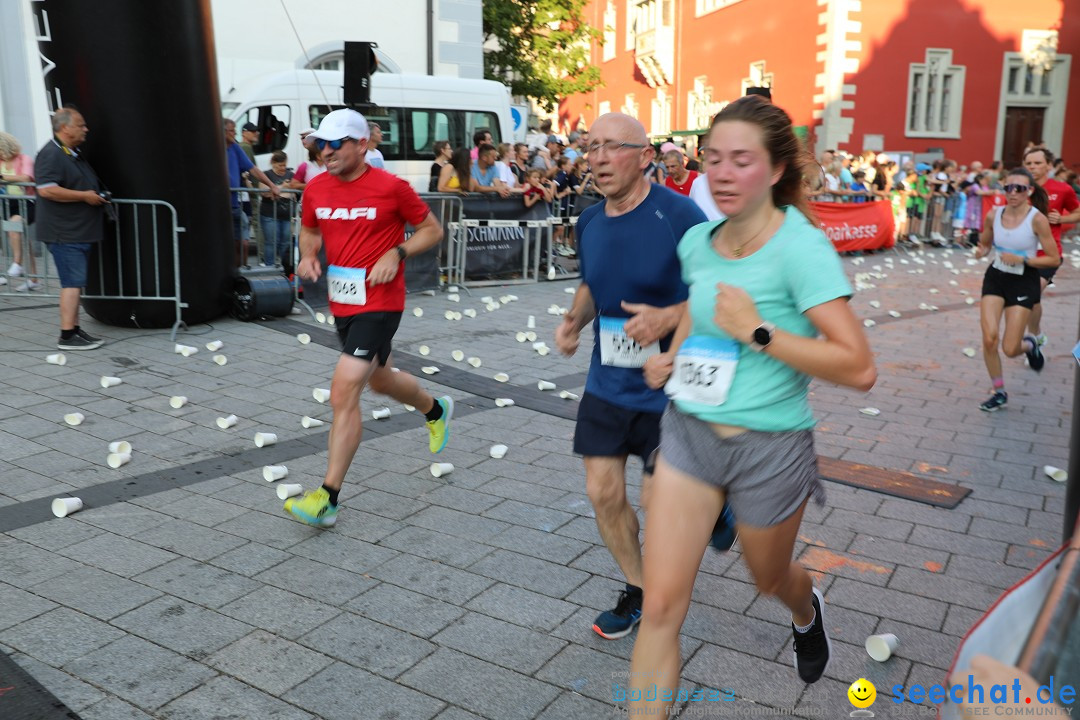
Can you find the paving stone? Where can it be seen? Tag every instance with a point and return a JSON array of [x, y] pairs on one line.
[[894, 604], [480, 687], [530, 573], [368, 645], [454, 713], [141, 673], [71, 691], [958, 544], [202, 510], [572, 705], [527, 515], [540, 544], [336, 693], [198, 583], [280, 612], [921, 645], [960, 619], [898, 554], [968, 593], [763, 681], [96, 593], [24, 565], [874, 526], [112, 708], [436, 546], [846, 565], [224, 694], [429, 578], [78, 635], [315, 580], [511, 646], [454, 522], [55, 535], [852, 661], [278, 532], [180, 626], [992, 574], [117, 555], [18, 606], [251, 559], [405, 610], [736, 631], [269, 663]]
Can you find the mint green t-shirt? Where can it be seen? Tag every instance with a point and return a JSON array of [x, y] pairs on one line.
[[797, 269]]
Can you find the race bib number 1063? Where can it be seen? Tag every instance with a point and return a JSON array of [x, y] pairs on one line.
[[703, 370]]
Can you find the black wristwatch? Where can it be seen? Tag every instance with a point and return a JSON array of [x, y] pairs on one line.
[[401, 252], [763, 335]]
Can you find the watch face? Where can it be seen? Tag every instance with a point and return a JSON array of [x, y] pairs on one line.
[[762, 336]]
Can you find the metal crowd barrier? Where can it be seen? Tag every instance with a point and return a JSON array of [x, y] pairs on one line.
[[532, 237], [151, 245], [449, 210]]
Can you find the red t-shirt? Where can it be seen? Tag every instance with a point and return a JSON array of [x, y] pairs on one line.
[[683, 189], [1063, 199], [360, 221]]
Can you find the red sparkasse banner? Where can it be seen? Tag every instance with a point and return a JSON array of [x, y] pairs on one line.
[[857, 226], [989, 202]]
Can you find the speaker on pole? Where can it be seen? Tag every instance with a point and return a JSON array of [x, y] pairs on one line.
[[360, 62]]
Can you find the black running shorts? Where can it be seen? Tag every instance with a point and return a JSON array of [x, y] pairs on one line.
[[368, 336], [1023, 290], [606, 430]]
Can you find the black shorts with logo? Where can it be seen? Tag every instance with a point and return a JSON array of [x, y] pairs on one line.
[[606, 430], [1023, 290], [368, 336]]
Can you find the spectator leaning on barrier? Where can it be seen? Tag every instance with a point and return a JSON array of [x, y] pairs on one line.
[[536, 189], [502, 165], [15, 167], [486, 174], [276, 217], [237, 163], [519, 164], [481, 137], [374, 154], [69, 218], [307, 170], [456, 175], [443, 153]]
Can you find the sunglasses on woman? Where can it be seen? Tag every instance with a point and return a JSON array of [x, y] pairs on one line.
[[334, 144], [1016, 188]]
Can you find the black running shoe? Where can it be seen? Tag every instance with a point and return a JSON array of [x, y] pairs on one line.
[[1034, 356], [79, 341], [812, 648], [996, 402], [620, 622], [724, 533]]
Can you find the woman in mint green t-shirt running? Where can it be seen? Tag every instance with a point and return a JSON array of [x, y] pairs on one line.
[[765, 284]]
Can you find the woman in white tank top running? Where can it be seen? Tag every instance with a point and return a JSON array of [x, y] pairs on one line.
[[1014, 233]]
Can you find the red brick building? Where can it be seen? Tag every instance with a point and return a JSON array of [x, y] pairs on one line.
[[973, 79]]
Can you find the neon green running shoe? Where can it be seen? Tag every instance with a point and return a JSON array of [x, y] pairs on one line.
[[314, 508], [440, 429]]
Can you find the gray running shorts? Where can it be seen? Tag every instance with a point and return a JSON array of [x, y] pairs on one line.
[[766, 475]]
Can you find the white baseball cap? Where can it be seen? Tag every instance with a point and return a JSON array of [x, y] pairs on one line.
[[340, 124]]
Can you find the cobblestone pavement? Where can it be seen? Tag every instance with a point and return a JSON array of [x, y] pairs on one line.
[[183, 591]]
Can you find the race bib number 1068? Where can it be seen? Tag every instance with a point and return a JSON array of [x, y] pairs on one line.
[[347, 285]]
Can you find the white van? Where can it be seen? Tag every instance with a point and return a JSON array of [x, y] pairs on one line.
[[414, 111]]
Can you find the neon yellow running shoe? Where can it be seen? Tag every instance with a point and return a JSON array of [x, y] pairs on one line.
[[314, 508], [440, 429]]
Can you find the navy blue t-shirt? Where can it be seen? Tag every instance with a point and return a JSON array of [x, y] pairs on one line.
[[633, 258]]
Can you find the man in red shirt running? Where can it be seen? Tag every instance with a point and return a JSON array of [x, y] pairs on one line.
[[360, 213], [678, 178], [1064, 209]]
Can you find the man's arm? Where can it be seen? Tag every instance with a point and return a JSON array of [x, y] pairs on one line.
[[309, 267], [60, 194], [649, 323], [275, 191], [582, 312], [428, 234]]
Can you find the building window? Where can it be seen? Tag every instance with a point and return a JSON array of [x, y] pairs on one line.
[[704, 7], [935, 96], [631, 23], [701, 108], [630, 106], [758, 77], [609, 32], [661, 113], [605, 107]]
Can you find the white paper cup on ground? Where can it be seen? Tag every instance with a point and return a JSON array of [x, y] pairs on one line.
[[120, 446], [452, 289], [288, 490], [498, 451], [449, 314], [320, 318], [321, 394], [457, 355], [543, 350], [220, 359], [214, 345], [440, 469], [871, 411], [273, 473], [310, 422], [457, 316], [408, 408], [1056, 474], [418, 312], [531, 322], [381, 413], [108, 381], [265, 439], [475, 362], [501, 377], [424, 350], [881, 647], [530, 336], [567, 395], [56, 359], [545, 385], [453, 297], [469, 312], [969, 351], [177, 401], [303, 338], [74, 418], [62, 507], [521, 337], [487, 299], [331, 320], [185, 350], [117, 459], [504, 402], [226, 422]]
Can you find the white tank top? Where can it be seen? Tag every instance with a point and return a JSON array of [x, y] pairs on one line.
[[1020, 240]]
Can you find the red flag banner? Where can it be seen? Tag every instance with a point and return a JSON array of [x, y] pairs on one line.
[[989, 202], [857, 226]]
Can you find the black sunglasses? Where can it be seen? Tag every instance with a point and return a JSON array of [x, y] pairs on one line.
[[1016, 188], [334, 144]]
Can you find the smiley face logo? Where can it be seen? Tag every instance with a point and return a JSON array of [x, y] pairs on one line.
[[862, 693]]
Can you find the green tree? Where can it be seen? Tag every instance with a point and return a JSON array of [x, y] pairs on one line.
[[541, 48]]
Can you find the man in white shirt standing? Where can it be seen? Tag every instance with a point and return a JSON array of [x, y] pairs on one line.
[[374, 156]]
